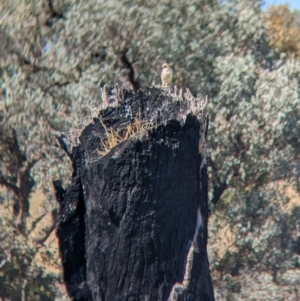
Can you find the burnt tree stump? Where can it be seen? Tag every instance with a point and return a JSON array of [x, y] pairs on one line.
[[133, 221]]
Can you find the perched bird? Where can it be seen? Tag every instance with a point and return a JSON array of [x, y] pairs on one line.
[[166, 75]]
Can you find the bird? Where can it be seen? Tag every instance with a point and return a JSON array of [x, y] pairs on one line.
[[166, 75]]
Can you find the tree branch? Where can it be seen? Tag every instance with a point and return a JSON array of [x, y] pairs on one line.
[[14, 147], [9, 185], [128, 65], [218, 189], [27, 169], [47, 231]]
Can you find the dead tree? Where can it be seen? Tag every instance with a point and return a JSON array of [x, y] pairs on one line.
[[133, 221]]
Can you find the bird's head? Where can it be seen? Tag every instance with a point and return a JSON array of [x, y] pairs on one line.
[[165, 65]]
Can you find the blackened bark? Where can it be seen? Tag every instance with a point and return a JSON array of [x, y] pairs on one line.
[[133, 223]]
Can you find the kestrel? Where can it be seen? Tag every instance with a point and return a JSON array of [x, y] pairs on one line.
[[166, 75]]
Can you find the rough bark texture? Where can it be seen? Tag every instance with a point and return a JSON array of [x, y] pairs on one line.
[[133, 223]]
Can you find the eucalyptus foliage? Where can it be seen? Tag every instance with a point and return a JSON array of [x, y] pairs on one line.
[[56, 55]]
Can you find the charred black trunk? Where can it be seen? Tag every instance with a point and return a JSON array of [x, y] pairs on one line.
[[133, 222]]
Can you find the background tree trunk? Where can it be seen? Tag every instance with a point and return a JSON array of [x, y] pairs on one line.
[[133, 223]]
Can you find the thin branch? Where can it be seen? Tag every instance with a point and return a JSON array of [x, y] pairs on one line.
[[9, 185], [128, 65], [56, 84], [218, 189], [25, 172], [47, 231], [15, 148], [35, 222]]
